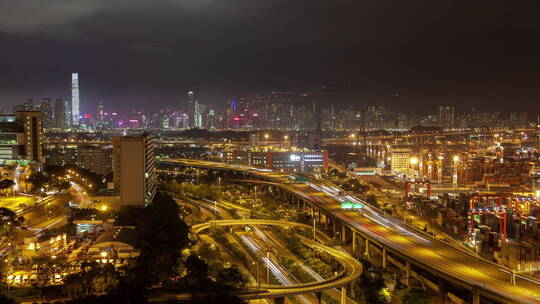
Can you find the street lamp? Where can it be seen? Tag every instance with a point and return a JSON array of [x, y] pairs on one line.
[[314, 230], [258, 281]]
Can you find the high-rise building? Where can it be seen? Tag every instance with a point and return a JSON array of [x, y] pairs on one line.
[[61, 155], [133, 169], [446, 117], [47, 113], [195, 111], [61, 114], [518, 119], [28, 105], [310, 140], [75, 99], [101, 112], [11, 138], [95, 158], [33, 134]]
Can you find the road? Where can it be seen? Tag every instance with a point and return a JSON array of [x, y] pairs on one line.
[[81, 196], [436, 256], [49, 213], [352, 267], [273, 243]]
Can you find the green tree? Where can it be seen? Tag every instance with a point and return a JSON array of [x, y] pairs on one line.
[[232, 277], [416, 296], [61, 185], [6, 300], [368, 287], [37, 179], [372, 200], [73, 286], [161, 235], [6, 184]]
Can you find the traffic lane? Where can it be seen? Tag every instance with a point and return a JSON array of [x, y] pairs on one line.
[[528, 293], [437, 255], [267, 236], [448, 260], [81, 195], [37, 215]]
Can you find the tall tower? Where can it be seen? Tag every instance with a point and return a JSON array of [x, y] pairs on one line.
[[101, 112], [194, 111], [75, 99]]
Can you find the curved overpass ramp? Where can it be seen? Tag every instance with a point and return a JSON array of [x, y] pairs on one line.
[[353, 268]]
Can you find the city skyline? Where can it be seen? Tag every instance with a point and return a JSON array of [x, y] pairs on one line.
[[275, 151], [430, 53]]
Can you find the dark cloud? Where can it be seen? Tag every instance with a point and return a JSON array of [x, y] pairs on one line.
[[459, 52], [148, 48]]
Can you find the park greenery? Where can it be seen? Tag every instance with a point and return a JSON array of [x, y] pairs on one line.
[[9, 221], [369, 287], [323, 264], [5, 185]]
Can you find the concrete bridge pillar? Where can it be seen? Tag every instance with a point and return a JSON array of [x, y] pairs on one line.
[[408, 274], [343, 295], [384, 258], [326, 223], [442, 289], [476, 295], [353, 241], [334, 226], [343, 234]]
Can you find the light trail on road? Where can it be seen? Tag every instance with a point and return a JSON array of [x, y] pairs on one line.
[[277, 270], [449, 262]]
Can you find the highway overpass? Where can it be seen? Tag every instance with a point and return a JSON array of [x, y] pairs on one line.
[[451, 271], [352, 268]]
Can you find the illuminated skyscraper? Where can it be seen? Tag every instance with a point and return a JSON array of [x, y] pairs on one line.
[[75, 99], [446, 117], [101, 112], [195, 112]]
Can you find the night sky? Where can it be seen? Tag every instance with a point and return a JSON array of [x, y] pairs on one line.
[[134, 53]]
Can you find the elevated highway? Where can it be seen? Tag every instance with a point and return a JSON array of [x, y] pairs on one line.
[[352, 268], [374, 233]]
